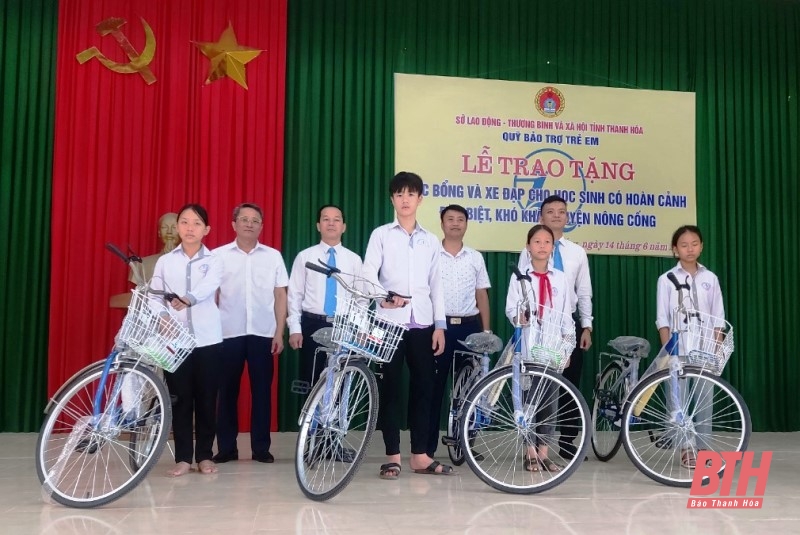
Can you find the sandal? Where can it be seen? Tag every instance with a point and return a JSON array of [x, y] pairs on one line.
[[548, 465], [531, 465], [390, 471], [446, 470], [688, 459]]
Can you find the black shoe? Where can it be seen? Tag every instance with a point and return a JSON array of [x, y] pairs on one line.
[[663, 442], [88, 445], [567, 450], [220, 458], [263, 457]]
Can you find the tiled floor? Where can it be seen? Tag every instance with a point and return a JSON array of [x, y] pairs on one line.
[[249, 497]]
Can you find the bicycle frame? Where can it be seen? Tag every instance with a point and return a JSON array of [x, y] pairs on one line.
[[628, 378], [484, 360], [325, 415]]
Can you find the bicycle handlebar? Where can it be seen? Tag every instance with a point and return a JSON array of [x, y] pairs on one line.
[[518, 274], [523, 306], [678, 286], [135, 263], [336, 273], [692, 312]]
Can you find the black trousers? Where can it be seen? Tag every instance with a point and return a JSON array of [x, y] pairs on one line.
[[310, 365], [194, 384], [570, 410], [443, 366], [415, 349], [257, 352]]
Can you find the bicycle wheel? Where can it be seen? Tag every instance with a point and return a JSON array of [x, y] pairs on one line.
[[500, 454], [333, 439], [607, 413], [84, 460], [657, 440], [461, 385]]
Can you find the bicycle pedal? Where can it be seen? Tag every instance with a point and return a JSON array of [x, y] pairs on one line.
[[449, 441], [300, 387]]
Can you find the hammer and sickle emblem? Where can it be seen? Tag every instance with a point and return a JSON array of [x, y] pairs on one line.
[[138, 62]]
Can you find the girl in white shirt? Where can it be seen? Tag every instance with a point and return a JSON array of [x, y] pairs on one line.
[[194, 273], [547, 293], [706, 296]]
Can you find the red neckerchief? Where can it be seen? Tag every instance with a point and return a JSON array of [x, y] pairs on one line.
[[545, 294]]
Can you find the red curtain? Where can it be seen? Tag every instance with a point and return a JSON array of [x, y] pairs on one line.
[[127, 152]]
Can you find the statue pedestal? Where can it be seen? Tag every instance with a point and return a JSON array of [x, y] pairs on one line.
[[120, 300]]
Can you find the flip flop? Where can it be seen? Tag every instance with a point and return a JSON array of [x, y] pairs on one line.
[[447, 470], [688, 459], [390, 471]]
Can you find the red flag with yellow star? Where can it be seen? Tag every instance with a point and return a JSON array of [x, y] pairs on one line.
[[139, 132]]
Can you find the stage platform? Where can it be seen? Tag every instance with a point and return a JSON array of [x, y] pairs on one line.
[[249, 497]]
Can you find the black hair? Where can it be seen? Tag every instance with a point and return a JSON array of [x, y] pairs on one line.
[[405, 180], [536, 228], [683, 230], [250, 205], [550, 200], [324, 206], [455, 208], [196, 208]]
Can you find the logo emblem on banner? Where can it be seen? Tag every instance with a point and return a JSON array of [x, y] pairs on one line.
[[550, 102]]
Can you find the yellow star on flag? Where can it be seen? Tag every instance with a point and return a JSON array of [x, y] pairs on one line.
[[228, 58]]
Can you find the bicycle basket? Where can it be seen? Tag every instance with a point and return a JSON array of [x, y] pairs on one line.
[[707, 341], [360, 330], [551, 340], [154, 334]]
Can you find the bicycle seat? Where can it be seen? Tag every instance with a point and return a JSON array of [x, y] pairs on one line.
[[324, 337], [631, 346], [482, 343]]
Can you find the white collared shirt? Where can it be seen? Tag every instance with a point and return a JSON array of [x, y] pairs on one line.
[[247, 292], [705, 290], [409, 265], [558, 283], [307, 288], [576, 268], [465, 272], [562, 322], [197, 278]]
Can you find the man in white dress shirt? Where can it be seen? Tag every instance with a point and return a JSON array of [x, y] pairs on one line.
[[570, 258], [307, 290], [252, 303], [466, 304]]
